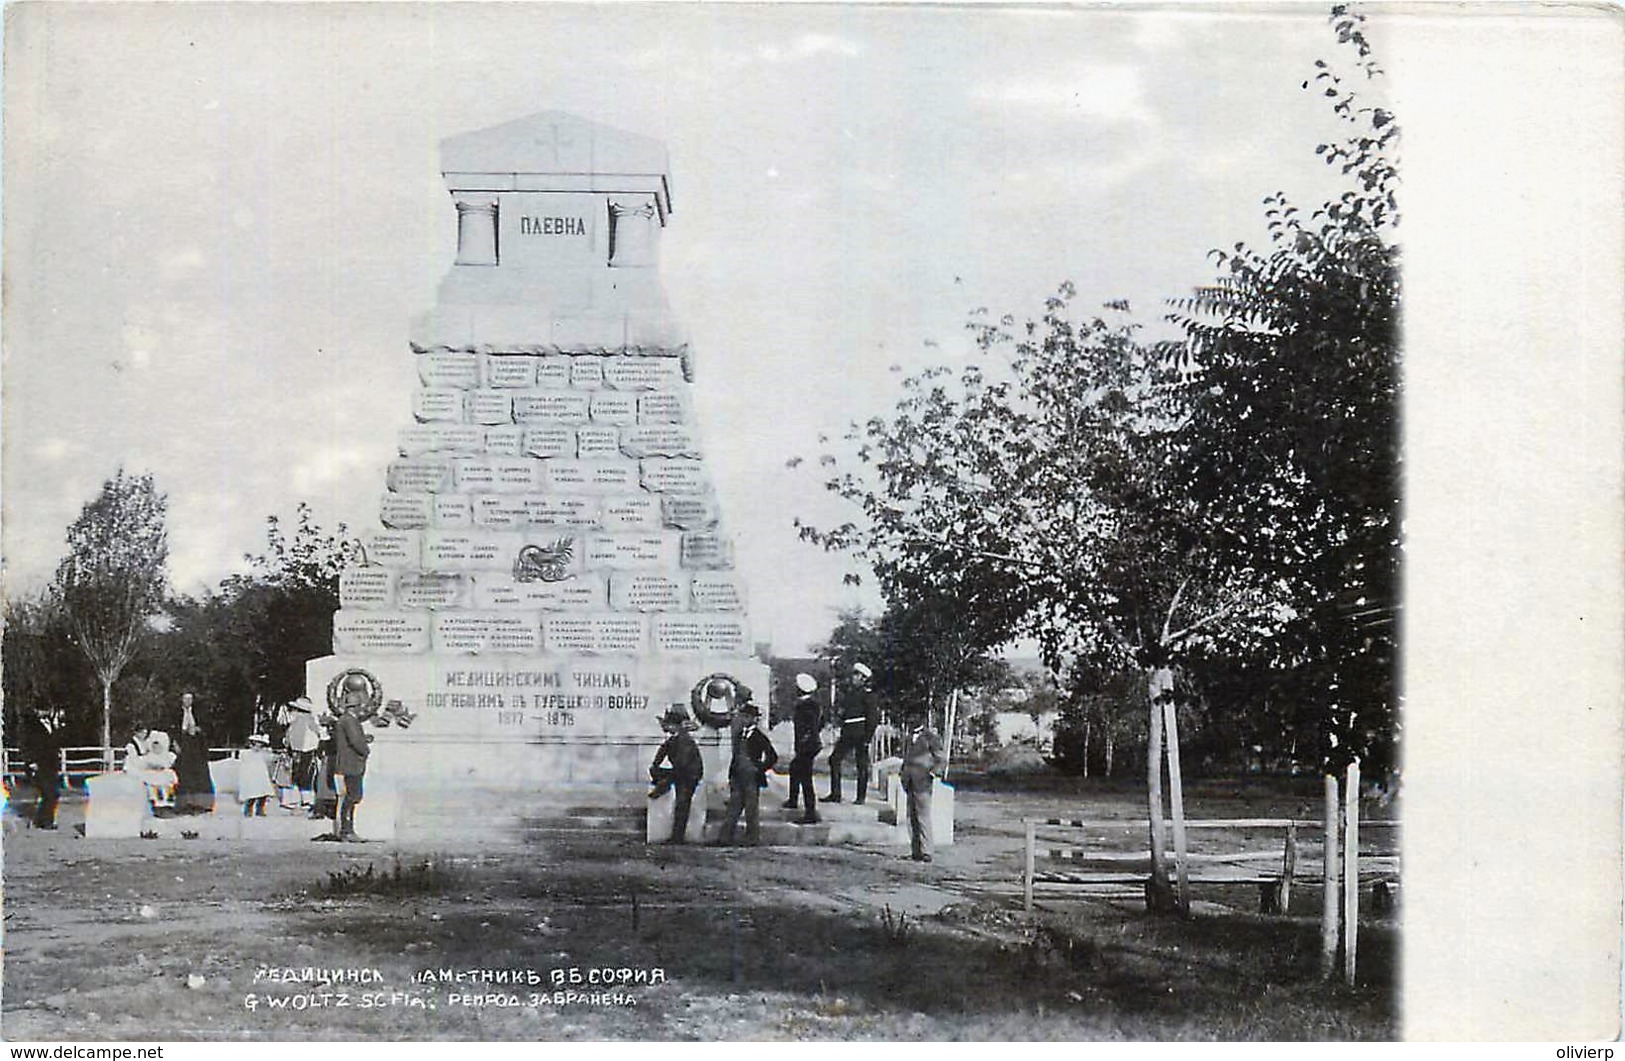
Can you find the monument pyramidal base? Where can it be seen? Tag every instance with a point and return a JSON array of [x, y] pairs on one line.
[[551, 569]]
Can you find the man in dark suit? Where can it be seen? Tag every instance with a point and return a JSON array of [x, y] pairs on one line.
[[806, 717], [753, 756], [42, 746], [858, 721], [351, 746], [684, 774]]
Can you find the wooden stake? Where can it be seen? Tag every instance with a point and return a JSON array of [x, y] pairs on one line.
[[1176, 795], [1351, 870], [1328, 905], [1157, 896], [1027, 875], [1289, 866]]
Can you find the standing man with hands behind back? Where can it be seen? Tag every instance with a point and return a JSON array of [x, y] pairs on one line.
[[923, 761]]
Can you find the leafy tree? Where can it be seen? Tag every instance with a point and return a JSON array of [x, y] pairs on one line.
[[1292, 362], [112, 582], [43, 669]]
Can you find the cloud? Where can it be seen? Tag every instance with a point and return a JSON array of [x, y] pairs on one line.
[[1106, 92]]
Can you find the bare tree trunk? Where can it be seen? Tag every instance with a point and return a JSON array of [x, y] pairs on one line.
[[107, 721], [1159, 896], [1111, 746], [1086, 749]]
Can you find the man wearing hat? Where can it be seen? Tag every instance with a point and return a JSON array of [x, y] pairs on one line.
[[303, 739], [684, 773], [753, 756], [808, 744], [858, 721], [352, 746], [923, 761]]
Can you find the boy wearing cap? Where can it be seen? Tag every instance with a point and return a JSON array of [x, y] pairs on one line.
[[753, 756], [858, 722], [684, 773], [808, 743]]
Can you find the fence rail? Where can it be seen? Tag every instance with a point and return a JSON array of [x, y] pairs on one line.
[[81, 761]]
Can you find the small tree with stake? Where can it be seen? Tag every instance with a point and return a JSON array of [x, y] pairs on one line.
[[112, 580]]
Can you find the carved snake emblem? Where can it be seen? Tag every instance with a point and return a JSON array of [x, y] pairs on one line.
[[537, 564]]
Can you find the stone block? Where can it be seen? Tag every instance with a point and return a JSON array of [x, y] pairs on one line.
[[476, 632], [419, 475], [505, 441], [628, 550], [550, 407], [490, 408], [550, 440], [659, 440], [711, 634], [643, 373], [591, 477], [406, 511], [704, 551], [445, 370], [595, 633], [647, 591], [432, 590], [673, 475], [393, 548], [597, 441], [662, 813], [116, 808], [420, 439], [367, 587], [610, 407], [579, 593], [663, 407], [638, 511], [438, 405], [499, 475], [381, 632], [553, 372], [377, 816], [510, 370], [717, 593], [453, 511], [690, 511], [586, 373]]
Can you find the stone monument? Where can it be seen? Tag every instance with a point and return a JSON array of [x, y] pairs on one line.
[[551, 569]]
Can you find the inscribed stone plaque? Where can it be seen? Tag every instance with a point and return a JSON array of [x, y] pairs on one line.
[[662, 407], [632, 512], [594, 633], [366, 587], [553, 372], [591, 477], [406, 511], [702, 551], [453, 510], [520, 510], [393, 548], [419, 475], [540, 407], [490, 407], [597, 440], [439, 438], [449, 370], [711, 634], [437, 405], [499, 475], [506, 441], [646, 591], [667, 475], [690, 511], [467, 550], [717, 593], [510, 371], [579, 593], [608, 407], [621, 551], [499, 511], [486, 632], [550, 440], [587, 372], [642, 373], [660, 440], [432, 589], [382, 632]]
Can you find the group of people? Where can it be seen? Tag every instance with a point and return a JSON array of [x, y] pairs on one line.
[[678, 765]]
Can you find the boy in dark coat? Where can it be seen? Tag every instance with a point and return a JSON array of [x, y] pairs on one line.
[[753, 756], [684, 773]]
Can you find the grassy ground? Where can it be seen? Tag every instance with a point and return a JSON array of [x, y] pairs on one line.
[[171, 939]]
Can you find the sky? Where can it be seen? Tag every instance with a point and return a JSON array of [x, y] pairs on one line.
[[221, 221]]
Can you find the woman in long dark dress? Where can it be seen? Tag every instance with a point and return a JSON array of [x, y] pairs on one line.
[[194, 787]]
